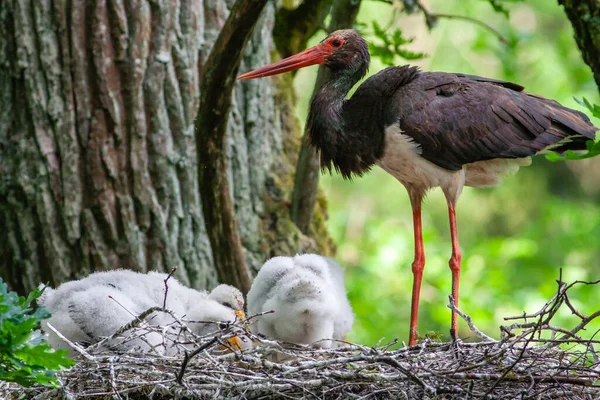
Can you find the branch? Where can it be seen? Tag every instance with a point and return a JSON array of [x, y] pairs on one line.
[[216, 85], [294, 27], [167, 286], [431, 20], [74, 346], [188, 356], [469, 321], [500, 36], [306, 180]]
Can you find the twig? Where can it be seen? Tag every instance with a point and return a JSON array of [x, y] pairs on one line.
[[167, 286], [188, 357], [476, 21], [113, 383], [469, 321], [140, 319], [431, 21], [74, 346]]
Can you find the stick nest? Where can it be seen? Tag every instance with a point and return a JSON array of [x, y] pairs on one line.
[[532, 360]]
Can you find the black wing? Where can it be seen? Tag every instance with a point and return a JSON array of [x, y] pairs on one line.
[[459, 119]]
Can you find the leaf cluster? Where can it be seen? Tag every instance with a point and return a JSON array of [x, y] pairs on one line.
[[593, 146], [391, 45], [25, 358], [498, 5]]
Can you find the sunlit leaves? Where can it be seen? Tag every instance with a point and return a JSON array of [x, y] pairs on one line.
[[593, 147], [391, 44], [499, 6], [25, 358]]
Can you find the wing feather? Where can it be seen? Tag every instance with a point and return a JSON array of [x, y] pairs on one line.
[[459, 119]]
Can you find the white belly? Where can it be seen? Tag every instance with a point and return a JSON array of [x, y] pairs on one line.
[[402, 159]]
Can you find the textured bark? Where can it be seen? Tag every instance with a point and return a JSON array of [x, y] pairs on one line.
[[218, 79], [585, 18], [98, 166], [306, 181]]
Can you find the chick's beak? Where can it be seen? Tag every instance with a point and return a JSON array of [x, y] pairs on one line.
[[240, 314], [235, 343]]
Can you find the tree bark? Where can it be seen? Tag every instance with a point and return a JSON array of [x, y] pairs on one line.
[[98, 166], [585, 18]]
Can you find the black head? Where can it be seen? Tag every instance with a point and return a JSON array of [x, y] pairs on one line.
[[342, 51], [349, 51]]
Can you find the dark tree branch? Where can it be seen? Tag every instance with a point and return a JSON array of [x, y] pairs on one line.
[[294, 27], [431, 20], [585, 18], [167, 286], [306, 181], [219, 77], [436, 16], [188, 356]]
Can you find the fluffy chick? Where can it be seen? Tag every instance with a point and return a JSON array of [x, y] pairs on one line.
[[308, 297], [89, 309]]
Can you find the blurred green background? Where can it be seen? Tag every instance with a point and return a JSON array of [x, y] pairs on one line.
[[515, 238]]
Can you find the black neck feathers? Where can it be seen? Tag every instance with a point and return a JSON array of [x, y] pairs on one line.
[[350, 134]]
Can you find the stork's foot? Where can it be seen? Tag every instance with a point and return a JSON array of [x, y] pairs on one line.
[[412, 340], [453, 335]]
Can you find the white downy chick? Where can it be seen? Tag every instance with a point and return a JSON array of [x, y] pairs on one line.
[[308, 297], [94, 307], [230, 297]]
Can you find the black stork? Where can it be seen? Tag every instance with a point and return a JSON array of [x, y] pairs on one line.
[[427, 129]]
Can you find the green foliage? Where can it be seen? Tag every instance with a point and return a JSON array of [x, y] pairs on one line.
[[391, 46], [593, 147], [25, 358], [498, 5]]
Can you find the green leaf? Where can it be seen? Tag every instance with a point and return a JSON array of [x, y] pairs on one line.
[[25, 357], [593, 146], [498, 5], [388, 47]]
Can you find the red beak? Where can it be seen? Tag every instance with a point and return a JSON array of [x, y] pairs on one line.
[[312, 56]]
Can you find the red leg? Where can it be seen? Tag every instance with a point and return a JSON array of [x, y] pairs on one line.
[[417, 268], [454, 263]]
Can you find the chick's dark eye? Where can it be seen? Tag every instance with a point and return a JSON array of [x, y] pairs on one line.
[[336, 43]]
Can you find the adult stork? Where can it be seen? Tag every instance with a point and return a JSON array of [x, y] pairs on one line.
[[427, 129]]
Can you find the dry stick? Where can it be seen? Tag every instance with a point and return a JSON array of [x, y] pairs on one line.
[[469, 321], [140, 319], [512, 366], [188, 357], [554, 304], [167, 286], [122, 306], [74, 346], [113, 382], [390, 361]]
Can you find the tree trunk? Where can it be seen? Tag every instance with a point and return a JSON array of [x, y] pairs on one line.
[[98, 165], [585, 18]]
